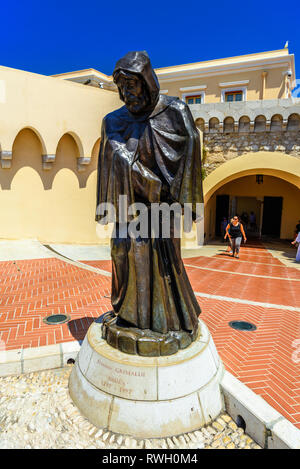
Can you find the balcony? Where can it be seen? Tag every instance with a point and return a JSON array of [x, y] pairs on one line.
[[247, 116]]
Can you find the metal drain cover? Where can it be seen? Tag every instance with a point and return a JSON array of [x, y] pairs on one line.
[[54, 319], [242, 325]]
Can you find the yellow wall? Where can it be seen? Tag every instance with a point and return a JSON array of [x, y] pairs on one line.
[[42, 115], [212, 72], [210, 218], [53, 206], [59, 205], [52, 107], [47, 116], [274, 85]]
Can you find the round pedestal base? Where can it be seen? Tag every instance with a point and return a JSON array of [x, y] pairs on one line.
[[147, 397]]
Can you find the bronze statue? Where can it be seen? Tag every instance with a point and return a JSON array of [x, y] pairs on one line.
[[150, 153]]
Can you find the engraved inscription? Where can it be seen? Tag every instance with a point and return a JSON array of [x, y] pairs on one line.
[[114, 380]]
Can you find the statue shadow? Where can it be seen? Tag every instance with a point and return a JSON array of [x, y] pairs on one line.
[[79, 327]]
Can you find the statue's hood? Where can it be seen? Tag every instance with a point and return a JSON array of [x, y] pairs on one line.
[[138, 62]]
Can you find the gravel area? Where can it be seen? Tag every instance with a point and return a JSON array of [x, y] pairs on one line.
[[36, 411]]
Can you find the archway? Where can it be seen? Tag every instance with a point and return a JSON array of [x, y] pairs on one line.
[[236, 185]]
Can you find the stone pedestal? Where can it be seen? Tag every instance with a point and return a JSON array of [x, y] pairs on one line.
[[147, 397]]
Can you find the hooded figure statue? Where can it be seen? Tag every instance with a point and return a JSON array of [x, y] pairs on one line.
[[149, 153]]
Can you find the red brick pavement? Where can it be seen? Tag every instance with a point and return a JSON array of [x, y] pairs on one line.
[[33, 289], [262, 359]]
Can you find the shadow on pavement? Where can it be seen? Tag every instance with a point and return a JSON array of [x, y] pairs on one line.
[[79, 327]]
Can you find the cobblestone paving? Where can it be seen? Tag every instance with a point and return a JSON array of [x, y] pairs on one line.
[[36, 411]]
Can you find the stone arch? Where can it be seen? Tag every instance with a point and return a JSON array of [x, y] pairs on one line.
[[237, 177], [26, 159], [77, 140], [6, 156], [293, 122], [213, 125], [276, 123], [244, 124], [201, 115], [228, 124], [38, 135], [260, 123], [200, 123], [27, 149], [270, 163], [67, 151]]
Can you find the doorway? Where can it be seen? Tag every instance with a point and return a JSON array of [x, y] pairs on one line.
[[271, 222], [222, 210]]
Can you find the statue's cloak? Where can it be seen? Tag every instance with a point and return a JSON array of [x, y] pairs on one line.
[[154, 157], [167, 131]]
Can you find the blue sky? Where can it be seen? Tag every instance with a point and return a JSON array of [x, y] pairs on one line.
[[51, 37]]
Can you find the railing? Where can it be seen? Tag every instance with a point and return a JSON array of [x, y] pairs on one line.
[[246, 116]]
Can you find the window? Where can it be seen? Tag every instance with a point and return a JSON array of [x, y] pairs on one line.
[[234, 91], [231, 96], [193, 99]]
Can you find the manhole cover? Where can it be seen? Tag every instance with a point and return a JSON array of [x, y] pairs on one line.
[[242, 326], [56, 319]]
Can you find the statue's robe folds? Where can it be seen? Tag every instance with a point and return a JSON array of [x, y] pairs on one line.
[[153, 158]]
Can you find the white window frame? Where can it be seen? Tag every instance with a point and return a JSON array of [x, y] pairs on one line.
[[194, 93], [243, 89]]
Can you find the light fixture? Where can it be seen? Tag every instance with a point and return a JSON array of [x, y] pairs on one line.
[[259, 178]]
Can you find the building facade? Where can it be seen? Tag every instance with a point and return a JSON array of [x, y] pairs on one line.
[[243, 106]]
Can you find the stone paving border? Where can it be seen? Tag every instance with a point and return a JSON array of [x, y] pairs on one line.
[[68, 260], [47, 357], [263, 423], [286, 255]]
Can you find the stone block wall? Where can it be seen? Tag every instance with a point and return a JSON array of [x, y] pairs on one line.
[[230, 130], [220, 147]]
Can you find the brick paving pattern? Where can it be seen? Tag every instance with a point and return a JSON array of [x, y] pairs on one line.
[[265, 359], [31, 290]]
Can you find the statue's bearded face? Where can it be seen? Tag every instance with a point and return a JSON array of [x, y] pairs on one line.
[[134, 92]]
